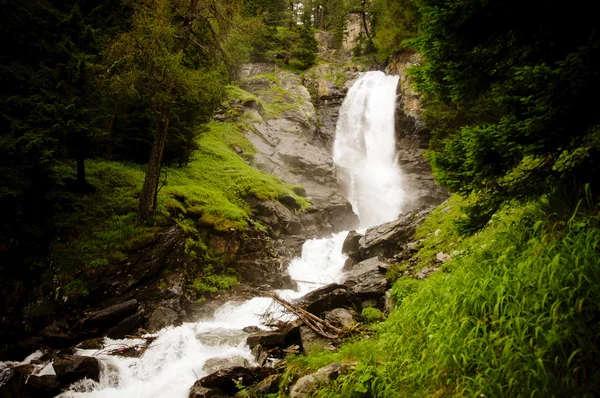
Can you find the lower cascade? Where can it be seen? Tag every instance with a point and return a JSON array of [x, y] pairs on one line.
[[364, 151]]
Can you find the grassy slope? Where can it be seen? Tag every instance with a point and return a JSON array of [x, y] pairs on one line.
[[515, 314], [210, 192]]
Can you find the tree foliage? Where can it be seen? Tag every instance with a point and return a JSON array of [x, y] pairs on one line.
[[510, 97]]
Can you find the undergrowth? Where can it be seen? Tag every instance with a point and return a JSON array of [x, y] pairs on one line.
[[514, 313]]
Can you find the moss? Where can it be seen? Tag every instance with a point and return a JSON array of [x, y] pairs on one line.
[[371, 315], [137, 242]]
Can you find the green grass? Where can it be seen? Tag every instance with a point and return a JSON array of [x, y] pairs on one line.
[[516, 314], [210, 193]]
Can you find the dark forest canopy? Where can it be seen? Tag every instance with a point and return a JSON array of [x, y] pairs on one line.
[[511, 91]]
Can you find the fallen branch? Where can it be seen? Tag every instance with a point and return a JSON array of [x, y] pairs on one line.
[[315, 323]]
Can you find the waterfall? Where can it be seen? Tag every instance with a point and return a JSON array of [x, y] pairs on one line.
[[365, 149], [365, 153]]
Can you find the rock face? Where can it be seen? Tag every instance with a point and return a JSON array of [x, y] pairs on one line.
[[224, 383], [413, 138], [73, 368]]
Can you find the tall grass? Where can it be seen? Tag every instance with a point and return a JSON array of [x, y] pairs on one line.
[[517, 314]]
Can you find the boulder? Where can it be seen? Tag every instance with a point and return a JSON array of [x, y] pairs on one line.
[[306, 384], [270, 385], [341, 316], [126, 326], [312, 342], [160, 318], [228, 380], [111, 315], [70, 369], [266, 339], [351, 245], [328, 297], [198, 391], [386, 239], [260, 355], [367, 279], [20, 384], [215, 364]]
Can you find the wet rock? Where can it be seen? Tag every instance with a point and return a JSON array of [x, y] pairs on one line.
[[312, 342], [215, 364], [70, 369], [265, 339], [328, 297], [160, 318], [367, 279], [111, 315], [290, 202], [270, 385], [259, 354], [197, 391], [351, 245], [56, 336], [386, 239], [348, 264], [307, 384], [342, 316], [251, 329], [228, 380], [126, 326], [18, 383], [91, 344]]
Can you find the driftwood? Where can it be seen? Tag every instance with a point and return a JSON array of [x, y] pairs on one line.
[[317, 324]]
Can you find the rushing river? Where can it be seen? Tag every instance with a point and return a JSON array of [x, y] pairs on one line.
[[364, 152]]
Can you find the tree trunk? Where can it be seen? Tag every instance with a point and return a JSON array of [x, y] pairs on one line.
[[111, 127], [148, 195]]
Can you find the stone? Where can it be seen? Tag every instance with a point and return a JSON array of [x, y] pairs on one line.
[[111, 315], [126, 326], [228, 380], [312, 342], [160, 318], [70, 369], [251, 329], [385, 239], [328, 297], [351, 245], [290, 202], [259, 354], [388, 302], [266, 339], [198, 391], [215, 364], [341, 316], [442, 257], [367, 279], [306, 384], [270, 385], [16, 383]]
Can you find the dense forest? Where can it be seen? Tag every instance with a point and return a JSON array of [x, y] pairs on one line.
[[108, 124]]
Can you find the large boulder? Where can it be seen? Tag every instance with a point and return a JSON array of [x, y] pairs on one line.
[[227, 381], [312, 342], [70, 369], [328, 297], [19, 383], [341, 316], [213, 365], [367, 279], [160, 318], [386, 239], [111, 315], [351, 245], [266, 339]]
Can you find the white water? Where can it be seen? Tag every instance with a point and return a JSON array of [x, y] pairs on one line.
[[364, 147]]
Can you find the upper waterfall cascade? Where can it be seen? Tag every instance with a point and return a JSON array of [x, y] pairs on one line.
[[365, 149]]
